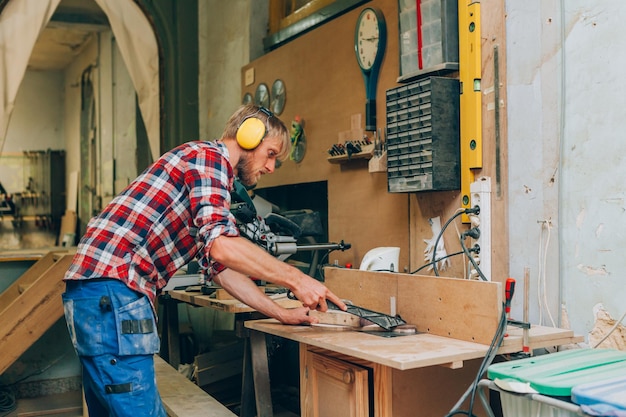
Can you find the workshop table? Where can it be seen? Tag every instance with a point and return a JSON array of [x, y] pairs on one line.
[[251, 392], [394, 360], [349, 372]]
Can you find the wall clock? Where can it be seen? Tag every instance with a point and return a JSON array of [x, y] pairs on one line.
[[279, 95], [370, 41], [262, 96]]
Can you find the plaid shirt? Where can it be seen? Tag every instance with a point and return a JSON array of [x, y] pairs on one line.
[[161, 221]]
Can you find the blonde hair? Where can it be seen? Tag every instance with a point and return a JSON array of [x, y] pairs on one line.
[[275, 127]]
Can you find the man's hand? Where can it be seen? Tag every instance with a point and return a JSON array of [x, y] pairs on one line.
[[313, 294], [246, 291], [298, 315]]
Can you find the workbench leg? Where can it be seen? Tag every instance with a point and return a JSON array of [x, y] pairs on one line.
[[261, 374], [170, 333], [247, 407], [383, 391]]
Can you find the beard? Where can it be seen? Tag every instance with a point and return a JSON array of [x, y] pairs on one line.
[[245, 171]]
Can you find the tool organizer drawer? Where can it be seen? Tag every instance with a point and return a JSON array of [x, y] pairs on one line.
[[423, 136]]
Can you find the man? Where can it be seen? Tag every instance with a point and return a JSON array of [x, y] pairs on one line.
[[175, 211]]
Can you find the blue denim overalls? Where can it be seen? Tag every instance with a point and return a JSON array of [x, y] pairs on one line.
[[114, 332]]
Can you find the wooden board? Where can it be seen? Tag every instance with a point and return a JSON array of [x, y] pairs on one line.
[[405, 352], [27, 278], [229, 306], [219, 364], [377, 291], [32, 313], [336, 318], [222, 294], [181, 397], [63, 404], [450, 307]]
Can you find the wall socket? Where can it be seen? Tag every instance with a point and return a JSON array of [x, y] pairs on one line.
[[480, 195]]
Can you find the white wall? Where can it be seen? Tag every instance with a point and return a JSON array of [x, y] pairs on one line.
[[224, 47], [36, 124], [565, 92]]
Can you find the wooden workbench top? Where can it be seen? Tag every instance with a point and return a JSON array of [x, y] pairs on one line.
[[410, 351], [229, 306]]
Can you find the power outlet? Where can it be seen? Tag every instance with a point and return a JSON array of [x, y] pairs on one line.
[[480, 195]]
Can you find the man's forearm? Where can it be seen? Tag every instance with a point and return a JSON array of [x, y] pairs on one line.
[[249, 259], [245, 290]]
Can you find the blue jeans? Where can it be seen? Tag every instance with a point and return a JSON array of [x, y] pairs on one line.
[[115, 336]]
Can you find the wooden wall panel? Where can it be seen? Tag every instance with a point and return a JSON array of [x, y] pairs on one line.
[[325, 87], [450, 307]]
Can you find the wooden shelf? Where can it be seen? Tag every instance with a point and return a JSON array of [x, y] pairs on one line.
[[367, 152]]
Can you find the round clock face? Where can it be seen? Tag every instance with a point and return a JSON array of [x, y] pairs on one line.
[[367, 38], [262, 96], [279, 94]]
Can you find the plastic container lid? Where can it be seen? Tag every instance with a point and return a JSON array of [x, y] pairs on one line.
[[557, 373], [610, 393]]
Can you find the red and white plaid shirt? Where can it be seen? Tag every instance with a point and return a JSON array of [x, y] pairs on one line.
[[161, 221]]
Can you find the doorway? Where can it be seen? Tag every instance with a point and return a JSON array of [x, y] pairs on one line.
[[91, 135]]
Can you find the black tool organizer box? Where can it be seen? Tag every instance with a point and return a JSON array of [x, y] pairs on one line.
[[423, 142]]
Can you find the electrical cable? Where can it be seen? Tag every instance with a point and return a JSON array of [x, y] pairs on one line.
[[321, 265], [459, 212], [8, 402], [469, 255], [545, 258], [474, 249], [492, 352], [542, 289], [440, 235]]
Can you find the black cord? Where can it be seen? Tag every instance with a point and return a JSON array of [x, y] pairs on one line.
[[443, 229], [437, 260], [321, 265], [471, 258], [474, 210], [488, 359], [7, 399]]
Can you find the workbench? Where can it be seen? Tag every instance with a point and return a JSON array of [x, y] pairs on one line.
[[170, 348], [170, 300], [349, 373]]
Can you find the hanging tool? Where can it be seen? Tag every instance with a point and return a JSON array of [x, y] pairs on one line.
[[509, 290]]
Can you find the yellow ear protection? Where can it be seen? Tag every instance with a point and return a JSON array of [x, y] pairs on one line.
[[252, 130]]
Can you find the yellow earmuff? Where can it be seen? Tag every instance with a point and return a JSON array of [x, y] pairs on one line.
[[250, 133], [252, 130]]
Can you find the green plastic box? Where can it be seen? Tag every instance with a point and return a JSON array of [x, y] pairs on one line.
[[557, 373]]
